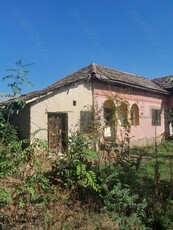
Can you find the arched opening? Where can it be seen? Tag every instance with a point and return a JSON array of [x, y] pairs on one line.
[[123, 114], [109, 119], [134, 115], [171, 122]]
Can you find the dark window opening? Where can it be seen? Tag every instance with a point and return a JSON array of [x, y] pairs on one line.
[[86, 122], [134, 115], [156, 117], [123, 114], [108, 116], [109, 120]]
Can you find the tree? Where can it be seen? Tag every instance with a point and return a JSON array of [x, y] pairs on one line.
[[16, 80]]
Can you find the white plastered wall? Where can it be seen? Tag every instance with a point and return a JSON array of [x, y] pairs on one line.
[[61, 102]]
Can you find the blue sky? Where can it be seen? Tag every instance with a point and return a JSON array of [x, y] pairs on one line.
[[62, 36]]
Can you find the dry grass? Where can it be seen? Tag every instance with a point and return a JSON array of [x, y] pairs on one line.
[[54, 216]]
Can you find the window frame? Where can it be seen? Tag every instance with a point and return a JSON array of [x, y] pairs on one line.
[[123, 114], [156, 117], [134, 115], [108, 116], [109, 120], [86, 121]]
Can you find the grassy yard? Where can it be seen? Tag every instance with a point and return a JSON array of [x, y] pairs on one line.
[[164, 159]]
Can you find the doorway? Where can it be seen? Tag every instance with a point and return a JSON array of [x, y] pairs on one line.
[[58, 131]]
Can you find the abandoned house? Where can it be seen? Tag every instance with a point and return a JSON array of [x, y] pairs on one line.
[[62, 108]]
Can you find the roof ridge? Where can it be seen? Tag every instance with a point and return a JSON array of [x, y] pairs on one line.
[[93, 68], [111, 68]]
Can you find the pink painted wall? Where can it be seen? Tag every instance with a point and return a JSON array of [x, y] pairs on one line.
[[170, 114], [146, 101]]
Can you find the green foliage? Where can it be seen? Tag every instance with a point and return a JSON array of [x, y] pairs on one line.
[[8, 131], [32, 189], [5, 196], [120, 196], [18, 79], [75, 170], [160, 214], [21, 173], [121, 200], [11, 158]]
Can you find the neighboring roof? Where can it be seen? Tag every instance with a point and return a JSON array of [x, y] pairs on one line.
[[100, 73], [164, 82]]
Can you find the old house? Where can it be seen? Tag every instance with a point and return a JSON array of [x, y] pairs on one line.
[[59, 109]]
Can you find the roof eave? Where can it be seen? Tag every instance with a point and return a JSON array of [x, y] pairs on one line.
[[122, 83]]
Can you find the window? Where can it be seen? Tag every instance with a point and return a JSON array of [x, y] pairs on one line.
[[86, 122], [156, 117], [108, 116], [134, 115], [109, 119], [122, 114], [74, 103]]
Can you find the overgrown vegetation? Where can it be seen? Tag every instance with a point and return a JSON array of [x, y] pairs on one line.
[[78, 191]]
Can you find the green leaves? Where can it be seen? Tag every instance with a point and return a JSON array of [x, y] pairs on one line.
[[75, 169], [86, 178], [18, 79], [11, 158], [5, 196]]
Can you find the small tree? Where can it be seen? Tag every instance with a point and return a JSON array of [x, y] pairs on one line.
[[16, 81]]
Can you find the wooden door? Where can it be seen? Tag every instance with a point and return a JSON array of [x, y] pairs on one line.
[[57, 131]]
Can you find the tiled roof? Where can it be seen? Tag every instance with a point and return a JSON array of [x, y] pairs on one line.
[[164, 82], [100, 73], [126, 79]]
